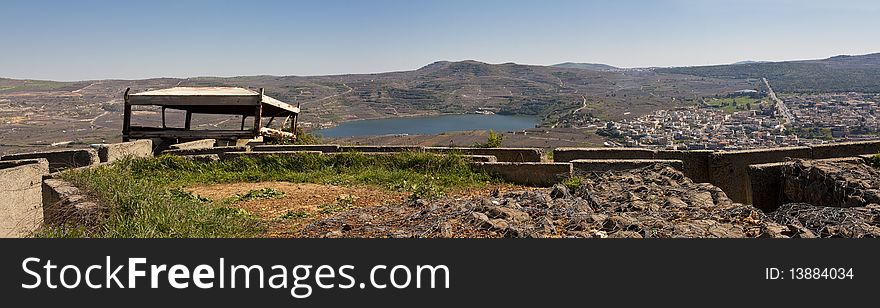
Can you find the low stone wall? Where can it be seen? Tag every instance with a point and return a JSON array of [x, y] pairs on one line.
[[20, 196], [214, 150], [111, 152], [527, 173], [602, 165], [194, 145], [64, 204], [501, 154], [569, 154], [326, 148], [62, 159]]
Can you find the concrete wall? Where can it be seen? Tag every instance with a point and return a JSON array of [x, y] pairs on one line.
[[695, 164], [730, 170], [21, 196], [844, 149], [767, 183], [327, 148], [569, 154], [194, 145], [527, 173], [501, 154], [111, 152], [602, 165], [60, 160], [64, 204], [214, 150]]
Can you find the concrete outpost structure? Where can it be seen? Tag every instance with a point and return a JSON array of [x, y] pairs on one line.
[[108, 153], [749, 177], [211, 100], [194, 145]]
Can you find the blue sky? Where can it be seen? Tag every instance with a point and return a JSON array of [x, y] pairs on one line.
[[78, 40]]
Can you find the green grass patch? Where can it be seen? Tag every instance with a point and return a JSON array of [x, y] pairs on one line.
[[294, 215], [874, 160], [145, 198], [573, 183], [734, 104]]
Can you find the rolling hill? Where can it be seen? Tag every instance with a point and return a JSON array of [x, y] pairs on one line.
[[587, 66], [835, 74], [39, 113]]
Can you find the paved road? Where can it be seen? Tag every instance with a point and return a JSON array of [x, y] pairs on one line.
[[780, 105], [584, 105]]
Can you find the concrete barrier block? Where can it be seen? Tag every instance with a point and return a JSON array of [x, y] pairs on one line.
[[569, 154], [214, 150], [379, 148], [233, 155], [483, 158], [695, 164], [327, 148], [603, 165], [21, 196], [501, 154], [194, 145], [113, 151], [64, 204], [204, 158], [730, 170], [527, 173], [62, 159], [844, 149]]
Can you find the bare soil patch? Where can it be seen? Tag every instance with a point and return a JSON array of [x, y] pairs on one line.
[[304, 203]]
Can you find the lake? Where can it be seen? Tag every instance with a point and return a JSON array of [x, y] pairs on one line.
[[429, 125]]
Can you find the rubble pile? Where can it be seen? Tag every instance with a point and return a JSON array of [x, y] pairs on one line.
[[656, 201], [824, 221]]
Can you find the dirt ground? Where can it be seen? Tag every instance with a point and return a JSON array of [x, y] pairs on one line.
[[304, 203]]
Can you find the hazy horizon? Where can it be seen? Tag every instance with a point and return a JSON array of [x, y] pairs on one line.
[[93, 40]]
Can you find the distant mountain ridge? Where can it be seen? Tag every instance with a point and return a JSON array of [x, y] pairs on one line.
[[587, 66], [750, 62], [843, 73]]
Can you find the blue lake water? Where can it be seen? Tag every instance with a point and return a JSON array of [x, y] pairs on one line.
[[430, 125]]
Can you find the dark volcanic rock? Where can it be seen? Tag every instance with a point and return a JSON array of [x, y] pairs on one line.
[[652, 202]]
